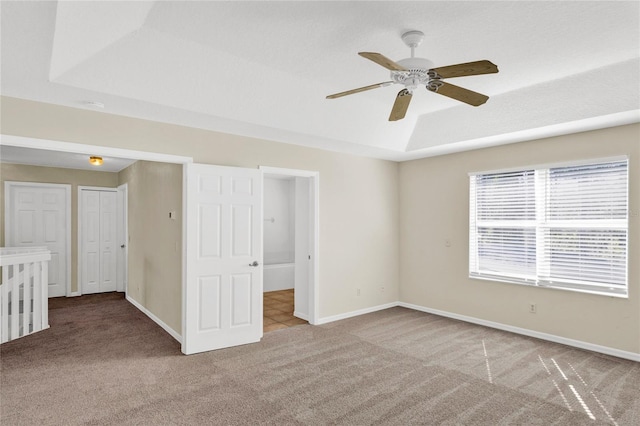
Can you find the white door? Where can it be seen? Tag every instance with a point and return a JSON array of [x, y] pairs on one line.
[[97, 230], [38, 215], [222, 298]]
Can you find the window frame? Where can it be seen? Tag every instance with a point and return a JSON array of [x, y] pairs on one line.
[[542, 224]]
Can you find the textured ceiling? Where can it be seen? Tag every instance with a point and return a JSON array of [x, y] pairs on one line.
[[263, 69]]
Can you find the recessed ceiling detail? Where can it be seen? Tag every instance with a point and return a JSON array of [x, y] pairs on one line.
[[263, 69]]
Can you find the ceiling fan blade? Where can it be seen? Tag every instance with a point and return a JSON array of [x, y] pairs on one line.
[[360, 89], [458, 93], [382, 60], [400, 106], [468, 68]]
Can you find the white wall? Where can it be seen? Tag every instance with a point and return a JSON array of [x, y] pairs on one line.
[[279, 220]]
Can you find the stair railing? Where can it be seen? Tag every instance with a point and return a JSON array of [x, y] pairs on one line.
[[23, 291]]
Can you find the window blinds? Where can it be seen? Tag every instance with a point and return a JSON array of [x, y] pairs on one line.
[[561, 227]]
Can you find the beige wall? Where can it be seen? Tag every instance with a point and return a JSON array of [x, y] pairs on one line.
[[359, 217], [21, 173], [374, 213], [155, 241], [434, 200]]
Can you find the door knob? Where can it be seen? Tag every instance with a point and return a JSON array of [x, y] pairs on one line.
[[254, 264], [122, 246]]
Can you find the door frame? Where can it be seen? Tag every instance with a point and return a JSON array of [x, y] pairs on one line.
[[8, 219], [80, 229], [122, 231], [314, 275]]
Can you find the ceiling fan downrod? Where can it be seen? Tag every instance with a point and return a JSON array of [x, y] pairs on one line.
[[416, 69]]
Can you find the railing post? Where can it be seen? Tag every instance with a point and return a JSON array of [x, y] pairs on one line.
[[37, 296], [4, 304], [44, 285], [26, 297], [15, 303]]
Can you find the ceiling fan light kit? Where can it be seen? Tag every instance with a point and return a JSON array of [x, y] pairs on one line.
[[413, 72]]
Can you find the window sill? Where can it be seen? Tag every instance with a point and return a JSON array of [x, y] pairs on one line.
[[552, 287]]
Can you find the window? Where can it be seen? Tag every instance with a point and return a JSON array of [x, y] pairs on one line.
[[558, 226]]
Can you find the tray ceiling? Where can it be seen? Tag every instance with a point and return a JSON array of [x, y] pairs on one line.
[[263, 69]]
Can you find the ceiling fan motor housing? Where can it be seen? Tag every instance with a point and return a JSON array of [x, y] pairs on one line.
[[416, 74]]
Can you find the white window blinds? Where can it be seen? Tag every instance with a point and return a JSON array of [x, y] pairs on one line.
[[560, 227]]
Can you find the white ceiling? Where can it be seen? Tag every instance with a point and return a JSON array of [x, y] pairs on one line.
[[67, 160], [263, 69]]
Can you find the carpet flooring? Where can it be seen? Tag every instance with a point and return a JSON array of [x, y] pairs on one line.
[[103, 362]]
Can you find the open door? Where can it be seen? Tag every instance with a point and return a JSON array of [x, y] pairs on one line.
[[222, 298]]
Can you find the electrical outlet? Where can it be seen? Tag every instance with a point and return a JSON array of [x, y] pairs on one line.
[[357, 292], [447, 243], [533, 308]]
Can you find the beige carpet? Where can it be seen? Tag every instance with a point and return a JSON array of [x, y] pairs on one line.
[[104, 362]]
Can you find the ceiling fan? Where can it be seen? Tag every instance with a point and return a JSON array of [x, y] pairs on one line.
[[413, 72]]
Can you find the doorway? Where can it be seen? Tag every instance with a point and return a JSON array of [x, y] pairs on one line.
[[290, 247], [190, 317], [156, 304]]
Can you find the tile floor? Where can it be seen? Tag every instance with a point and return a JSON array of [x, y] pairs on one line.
[[278, 311]]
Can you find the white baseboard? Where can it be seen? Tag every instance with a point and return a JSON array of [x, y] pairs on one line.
[[155, 319], [74, 294], [301, 315], [526, 332], [351, 314], [505, 327]]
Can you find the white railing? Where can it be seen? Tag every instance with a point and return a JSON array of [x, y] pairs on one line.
[[23, 291]]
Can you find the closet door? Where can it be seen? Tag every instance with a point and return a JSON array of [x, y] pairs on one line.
[[38, 214], [97, 230], [108, 252]]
